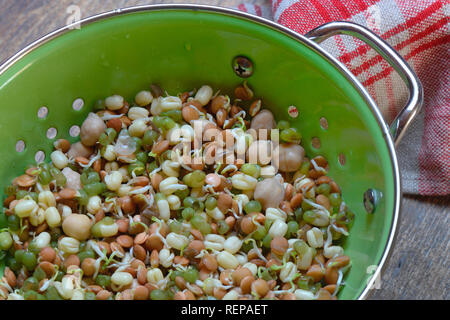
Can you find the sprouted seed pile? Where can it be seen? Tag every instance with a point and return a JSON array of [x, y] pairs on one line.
[[120, 215]]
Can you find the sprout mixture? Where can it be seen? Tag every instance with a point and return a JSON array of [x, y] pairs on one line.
[[127, 213]]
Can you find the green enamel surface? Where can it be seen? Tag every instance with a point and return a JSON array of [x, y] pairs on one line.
[[181, 50]]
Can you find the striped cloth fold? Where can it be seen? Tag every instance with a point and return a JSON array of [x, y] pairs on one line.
[[419, 31]]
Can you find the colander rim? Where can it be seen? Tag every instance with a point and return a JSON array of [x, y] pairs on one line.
[[8, 63]]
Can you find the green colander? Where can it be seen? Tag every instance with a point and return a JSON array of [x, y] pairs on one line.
[[47, 89]]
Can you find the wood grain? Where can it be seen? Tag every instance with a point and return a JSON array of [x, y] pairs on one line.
[[419, 264]]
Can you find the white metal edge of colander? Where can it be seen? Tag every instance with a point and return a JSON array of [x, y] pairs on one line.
[[292, 34]]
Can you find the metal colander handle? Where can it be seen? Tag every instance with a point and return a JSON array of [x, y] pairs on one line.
[[407, 114]]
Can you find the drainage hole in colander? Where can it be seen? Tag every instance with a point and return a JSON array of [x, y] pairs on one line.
[[42, 112], [315, 142], [39, 156], [20, 146], [323, 123], [78, 104], [74, 131], [342, 159], [51, 133]]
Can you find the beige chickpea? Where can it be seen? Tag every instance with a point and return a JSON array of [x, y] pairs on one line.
[[288, 157], [269, 192], [77, 226], [79, 150], [91, 129], [264, 120]]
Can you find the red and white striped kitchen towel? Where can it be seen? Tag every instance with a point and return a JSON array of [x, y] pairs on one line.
[[419, 31]]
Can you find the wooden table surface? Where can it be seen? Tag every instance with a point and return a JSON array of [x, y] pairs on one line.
[[419, 264]]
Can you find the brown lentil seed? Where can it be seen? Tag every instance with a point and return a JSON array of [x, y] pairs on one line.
[[197, 234], [41, 228], [296, 201], [331, 275], [246, 284], [136, 264], [194, 248], [323, 294], [181, 260], [255, 107], [272, 284], [247, 225], [258, 262], [288, 192], [141, 181], [323, 201], [210, 262], [140, 238], [103, 295], [150, 286], [123, 225], [288, 296], [127, 205], [68, 193], [190, 294], [154, 242], [320, 258], [57, 261], [94, 288], [260, 287], [156, 179], [125, 241], [224, 202], [97, 165], [154, 259], [213, 180], [230, 221], [321, 161], [25, 181], [125, 121], [338, 262], [131, 271], [116, 247], [160, 147], [62, 144], [81, 160], [189, 113], [279, 245], [180, 282], [316, 272], [114, 123], [225, 277], [221, 116], [141, 276], [49, 268], [286, 207], [218, 103], [99, 215], [47, 254], [10, 277], [322, 180], [141, 293], [5, 292], [219, 293], [179, 296], [203, 273], [334, 188], [139, 252], [72, 260], [88, 266], [8, 200]]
